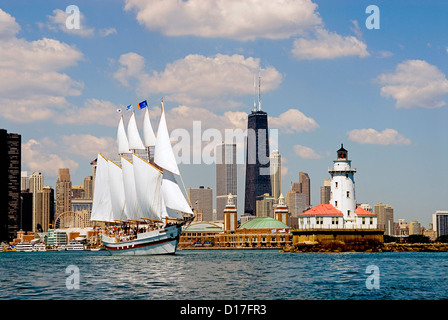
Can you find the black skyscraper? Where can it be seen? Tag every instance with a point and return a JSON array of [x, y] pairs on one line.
[[10, 167], [258, 178]]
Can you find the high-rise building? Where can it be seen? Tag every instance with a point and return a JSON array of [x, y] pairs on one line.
[[63, 192], [226, 177], [10, 179], [26, 211], [258, 175], [36, 185], [296, 202], [325, 192], [414, 228], [440, 222], [265, 206], [24, 181], [276, 174], [44, 209], [202, 199], [88, 187], [385, 214], [305, 186]]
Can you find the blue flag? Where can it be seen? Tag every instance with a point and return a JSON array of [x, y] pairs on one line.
[[142, 105], [129, 107]]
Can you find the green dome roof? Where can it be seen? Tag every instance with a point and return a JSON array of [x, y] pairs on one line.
[[203, 226], [264, 223]]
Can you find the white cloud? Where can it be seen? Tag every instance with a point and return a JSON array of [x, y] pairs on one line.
[[415, 83], [57, 22], [197, 80], [293, 120], [8, 25], [89, 146], [36, 156], [372, 136], [328, 45], [306, 152], [32, 85], [94, 111], [234, 19]]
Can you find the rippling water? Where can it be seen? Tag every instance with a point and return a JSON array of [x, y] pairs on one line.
[[224, 274]]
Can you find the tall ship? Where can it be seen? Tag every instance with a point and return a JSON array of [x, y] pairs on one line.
[[137, 194]]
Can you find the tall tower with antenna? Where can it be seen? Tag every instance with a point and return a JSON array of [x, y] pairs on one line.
[[258, 178]]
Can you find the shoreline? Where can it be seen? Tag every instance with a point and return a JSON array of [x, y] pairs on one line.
[[385, 247]]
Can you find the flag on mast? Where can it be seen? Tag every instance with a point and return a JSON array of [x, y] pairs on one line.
[[142, 105]]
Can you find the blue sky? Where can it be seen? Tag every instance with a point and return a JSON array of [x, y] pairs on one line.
[[326, 79]]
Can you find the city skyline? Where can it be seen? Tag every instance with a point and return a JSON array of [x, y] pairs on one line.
[[326, 79]]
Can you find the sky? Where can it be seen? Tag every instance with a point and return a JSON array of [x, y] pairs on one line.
[[331, 72]]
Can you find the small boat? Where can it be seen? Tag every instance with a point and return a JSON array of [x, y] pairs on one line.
[[39, 247], [74, 246], [61, 248], [24, 247], [140, 190]]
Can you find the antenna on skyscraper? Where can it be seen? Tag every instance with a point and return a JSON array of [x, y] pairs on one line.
[[255, 93], [259, 92]]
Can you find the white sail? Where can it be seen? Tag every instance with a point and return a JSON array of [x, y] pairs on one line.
[[132, 206], [101, 207], [163, 152], [116, 188], [135, 142], [122, 140], [148, 132], [148, 180], [173, 196]]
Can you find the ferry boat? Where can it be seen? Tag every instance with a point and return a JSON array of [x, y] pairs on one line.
[[74, 246], [39, 247], [24, 247], [141, 190]]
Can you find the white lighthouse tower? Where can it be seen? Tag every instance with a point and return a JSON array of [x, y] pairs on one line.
[[343, 187]]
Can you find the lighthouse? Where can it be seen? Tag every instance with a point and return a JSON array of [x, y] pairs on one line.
[[342, 195]]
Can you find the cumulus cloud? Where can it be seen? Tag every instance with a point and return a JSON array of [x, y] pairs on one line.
[[306, 152], [415, 83], [49, 154], [93, 111], [198, 80], [293, 120], [32, 85], [328, 45], [372, 136], [57, 22], [233, 19], [36, 156], [88, 146]]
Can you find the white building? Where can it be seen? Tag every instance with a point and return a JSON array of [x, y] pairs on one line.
[[342, 212]]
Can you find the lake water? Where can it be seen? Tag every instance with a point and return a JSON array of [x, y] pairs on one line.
[[224, 274]]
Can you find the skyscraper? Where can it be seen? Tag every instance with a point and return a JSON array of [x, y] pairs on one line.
[[276, 174], [226, 177], [305, 186], [385, 214], [63, 192], [440, 222], [202, 199], [44, 209], [10, 178], [258, 175], [325, 192], [36, 185]]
